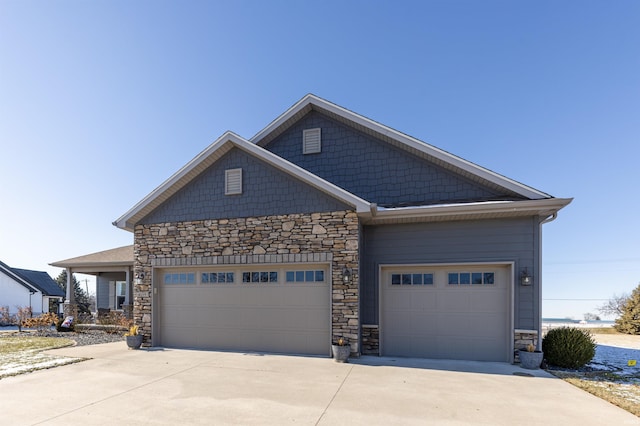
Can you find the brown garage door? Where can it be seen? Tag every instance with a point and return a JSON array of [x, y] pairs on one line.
[[452, 312], [282, 308]]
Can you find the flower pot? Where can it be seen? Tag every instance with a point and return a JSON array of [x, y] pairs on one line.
[[340, 353], [134, 342], [530, 360]]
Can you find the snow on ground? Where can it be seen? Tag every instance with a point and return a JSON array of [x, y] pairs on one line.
[[13, 364], [614, 352]]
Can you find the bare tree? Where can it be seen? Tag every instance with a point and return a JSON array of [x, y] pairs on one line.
[[614, 306], [591, 317]]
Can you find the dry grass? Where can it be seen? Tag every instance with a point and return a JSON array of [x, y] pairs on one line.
[[22, 354], [618, 390], [603, 330]]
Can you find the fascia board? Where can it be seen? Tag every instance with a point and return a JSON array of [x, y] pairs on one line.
[[428, 149], [306, 176], [124, 221], [361, 205], [19, 279], [546, 206], [307, 99]]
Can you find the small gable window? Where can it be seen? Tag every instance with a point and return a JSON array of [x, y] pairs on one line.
[[233, 181], [311, 141]]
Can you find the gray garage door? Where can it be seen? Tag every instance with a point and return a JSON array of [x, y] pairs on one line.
[[280, 308], [453, 312]]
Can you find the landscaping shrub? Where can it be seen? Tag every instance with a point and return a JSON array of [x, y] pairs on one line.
[[568, 347], [41, 323], [115, 322]]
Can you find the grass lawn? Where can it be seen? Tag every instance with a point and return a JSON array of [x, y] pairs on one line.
[[22, 354], [613, 386]]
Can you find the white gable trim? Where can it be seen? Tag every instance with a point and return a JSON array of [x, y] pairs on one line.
[[212, 153], [19, 280], [409, 141]]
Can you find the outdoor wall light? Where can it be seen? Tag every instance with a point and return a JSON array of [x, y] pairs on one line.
[[139, 277], [346, 275], [525, 278]]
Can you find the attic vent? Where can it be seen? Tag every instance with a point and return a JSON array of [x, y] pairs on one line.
[[311, 141], [233, 181]]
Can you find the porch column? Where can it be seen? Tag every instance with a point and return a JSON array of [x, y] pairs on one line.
[[127, 306], [70, 308]]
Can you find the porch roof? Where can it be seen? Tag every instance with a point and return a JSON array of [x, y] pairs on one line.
[[102, 261]]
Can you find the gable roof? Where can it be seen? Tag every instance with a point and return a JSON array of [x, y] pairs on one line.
[[536, 202], [42, 281], [209, 156], [424, 150], [121, 256], [34, 281]]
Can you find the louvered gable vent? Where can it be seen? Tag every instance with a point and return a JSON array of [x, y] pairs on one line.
[[311, 141], [233, 182]]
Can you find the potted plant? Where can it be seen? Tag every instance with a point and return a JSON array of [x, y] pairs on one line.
[[530, 358], [341, 350], [134, 340]]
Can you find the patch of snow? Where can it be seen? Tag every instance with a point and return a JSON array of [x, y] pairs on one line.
[[616, 359]]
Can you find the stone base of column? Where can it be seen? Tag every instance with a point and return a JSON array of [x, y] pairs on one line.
[[70, 310], [127, 310]]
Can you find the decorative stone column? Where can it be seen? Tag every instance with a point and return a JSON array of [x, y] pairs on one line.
[[70, 307]]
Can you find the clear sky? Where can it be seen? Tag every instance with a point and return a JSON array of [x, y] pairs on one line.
[[101, 101]]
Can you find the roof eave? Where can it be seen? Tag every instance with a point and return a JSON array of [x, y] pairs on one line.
[[544, 208], [495, 178], [182, 177]]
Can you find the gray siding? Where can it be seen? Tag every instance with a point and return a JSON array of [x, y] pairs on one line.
[[451, 242], [372, 169], [102, 290], [266, 191]]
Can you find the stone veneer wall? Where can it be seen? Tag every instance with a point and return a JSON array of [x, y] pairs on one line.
[[370, 339], [521, 339], [332, 236]]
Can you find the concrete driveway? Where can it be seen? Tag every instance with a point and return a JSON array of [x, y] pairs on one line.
[[169, 387]]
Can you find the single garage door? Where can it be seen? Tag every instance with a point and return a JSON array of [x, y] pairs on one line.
[[280, 308], [452, 312]]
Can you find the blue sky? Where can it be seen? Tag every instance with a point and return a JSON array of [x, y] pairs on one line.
[[101, 101]]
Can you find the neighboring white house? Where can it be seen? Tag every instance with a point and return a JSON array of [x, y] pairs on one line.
[[23, 287]]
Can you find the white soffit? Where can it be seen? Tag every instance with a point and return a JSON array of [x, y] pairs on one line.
[[487, 209]]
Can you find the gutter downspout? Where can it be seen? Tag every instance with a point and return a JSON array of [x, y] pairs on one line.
[[548, 219]]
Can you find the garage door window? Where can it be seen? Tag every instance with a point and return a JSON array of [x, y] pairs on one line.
[[309, 276], [260, 277], [411, 279], [180, 278], [471, 278], [217, 277]]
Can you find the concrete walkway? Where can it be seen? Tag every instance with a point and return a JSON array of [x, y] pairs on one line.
[[169, 387]]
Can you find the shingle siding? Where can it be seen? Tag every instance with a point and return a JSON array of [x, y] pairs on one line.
[[512, 240], [265, 191], [372, 169]]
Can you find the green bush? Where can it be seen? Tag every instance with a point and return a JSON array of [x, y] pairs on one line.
[[568, 347]]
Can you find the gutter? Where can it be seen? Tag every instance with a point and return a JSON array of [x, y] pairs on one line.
[[548, 219]]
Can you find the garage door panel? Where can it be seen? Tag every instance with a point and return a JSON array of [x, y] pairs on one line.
[[443, 320], [272, 317]]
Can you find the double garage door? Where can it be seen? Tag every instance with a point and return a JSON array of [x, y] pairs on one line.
[[452, 312], [283, 308]]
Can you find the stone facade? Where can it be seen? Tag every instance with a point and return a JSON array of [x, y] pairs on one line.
[[521, 339], [331, 236], [370, 339]]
